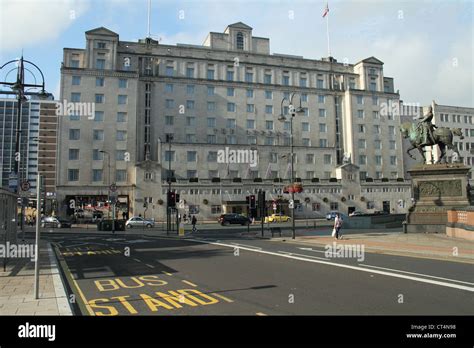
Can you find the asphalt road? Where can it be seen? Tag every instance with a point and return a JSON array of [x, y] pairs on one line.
[[224, 273]]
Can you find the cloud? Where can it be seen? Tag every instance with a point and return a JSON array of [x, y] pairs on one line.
[[26, 23]]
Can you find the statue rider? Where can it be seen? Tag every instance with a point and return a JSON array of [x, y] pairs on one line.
[[425, 128]]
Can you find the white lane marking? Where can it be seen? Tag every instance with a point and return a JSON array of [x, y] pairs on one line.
[[147, 264], [137, 260], [390, 274], [247, 246], [313, 257], [421, 274], [310, 249]]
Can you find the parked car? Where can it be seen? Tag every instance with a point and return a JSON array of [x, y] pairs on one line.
[[381, 212], [52, 221], [356, 213], [277, 218], [331, 215], [138, 221], [233, 219], [97, 214]]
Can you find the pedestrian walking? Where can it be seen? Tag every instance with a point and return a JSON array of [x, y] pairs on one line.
[[337, 226], [193, 221], [124, 215]]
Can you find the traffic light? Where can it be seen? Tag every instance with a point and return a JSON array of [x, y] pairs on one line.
[[261, 202], [177, 197], [252, 202], [247, 199], [171, 199]]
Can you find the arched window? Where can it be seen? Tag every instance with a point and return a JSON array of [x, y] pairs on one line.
[[240, 41]]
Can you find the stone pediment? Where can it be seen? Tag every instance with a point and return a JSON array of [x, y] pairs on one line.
[[101, 31], [349, 167], [239, 25], [371, 60]]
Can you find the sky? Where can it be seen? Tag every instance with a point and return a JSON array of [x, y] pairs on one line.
[[426, 46]]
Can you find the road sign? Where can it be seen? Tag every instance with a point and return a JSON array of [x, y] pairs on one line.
[[113, 187], [25, 185], [13, 181], [291, 204]]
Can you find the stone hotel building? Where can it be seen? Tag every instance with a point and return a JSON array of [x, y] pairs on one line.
[[226, 93]]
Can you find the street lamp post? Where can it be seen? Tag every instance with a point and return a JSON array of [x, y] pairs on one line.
[[293, 112], [109, 179], [169, 138]]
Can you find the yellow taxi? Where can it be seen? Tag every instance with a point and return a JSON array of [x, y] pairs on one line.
[[277, 218]]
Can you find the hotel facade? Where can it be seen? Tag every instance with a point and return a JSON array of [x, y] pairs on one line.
[[225, 95]]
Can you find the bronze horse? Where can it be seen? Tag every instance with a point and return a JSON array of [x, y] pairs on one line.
[[443, 137]]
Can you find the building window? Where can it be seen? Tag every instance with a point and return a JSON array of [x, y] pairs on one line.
[[361, 128], [100, 64], [375, 115], [98, 134], [97, 155], [306, 142], [121, 135], [169, 71], [378, 160], [249, 77], [250, 108], [75, 97], [327, 159], [360, 113], [269, 109], [74, 134], [169, 103], [99, 116], [267, 79], [310, 158], [362, 159], [249, 93], [230, 91], [211, 139], [323, 143], [286, 80], [268, 95], [99, 98], [230, 75], [305, 127], [231, 123], [251, 140], [210, 74], [190, 121], [73, 174], [362, 143], [99, 82], [123, 83], [231, 107], [212, 156], [269, 125], [377, 145], [190, 138], [191, 156], [393, 160], [211, 106], [96, 174], [360, 99], [250, 124], [121, 175], [322, 128], [211, 122], [121, 117], [210, 91], [216, 209], [169, 156], [190, 104], [120, 155], [73, 154], [74, 63], [334, 206], [322, 112], [240, 41], [76, 80], [190, 72], [122, 99], [190, 89]]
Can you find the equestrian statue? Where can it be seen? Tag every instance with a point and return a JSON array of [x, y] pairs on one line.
[[423, 134]]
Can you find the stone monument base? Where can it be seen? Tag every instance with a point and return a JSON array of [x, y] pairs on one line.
[[436, 189]]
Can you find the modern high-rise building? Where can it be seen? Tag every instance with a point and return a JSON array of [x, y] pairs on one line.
[[220, 102], [38, 142], [444, 116]]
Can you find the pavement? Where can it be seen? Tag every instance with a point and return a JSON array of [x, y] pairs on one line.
[[17, 286], [424, 245]]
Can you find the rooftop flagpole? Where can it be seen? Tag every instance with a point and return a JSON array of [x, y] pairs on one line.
[[326, 14]]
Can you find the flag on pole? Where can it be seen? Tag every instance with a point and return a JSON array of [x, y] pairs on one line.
[[326, 10]]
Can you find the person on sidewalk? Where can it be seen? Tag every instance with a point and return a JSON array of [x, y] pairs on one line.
[[337, 226], [193, 221]]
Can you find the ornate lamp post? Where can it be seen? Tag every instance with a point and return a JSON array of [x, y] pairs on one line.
[[293, 111]]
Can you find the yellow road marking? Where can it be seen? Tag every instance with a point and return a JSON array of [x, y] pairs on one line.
[[222, 297], [168, 274], [260, 314], [189, 283], [81, 294]]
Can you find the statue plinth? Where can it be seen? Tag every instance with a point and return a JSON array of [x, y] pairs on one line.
[[436, 189]]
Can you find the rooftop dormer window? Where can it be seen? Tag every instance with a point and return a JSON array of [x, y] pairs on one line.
[[240, 41]]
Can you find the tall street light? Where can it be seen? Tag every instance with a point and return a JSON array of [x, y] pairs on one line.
[[18, 88], [169, 138], [109, 182], [293, 111]]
